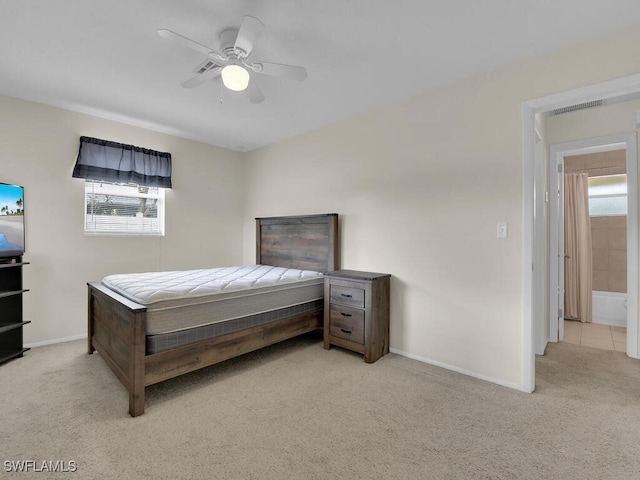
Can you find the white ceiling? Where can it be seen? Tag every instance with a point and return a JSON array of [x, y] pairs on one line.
[[104, 57]]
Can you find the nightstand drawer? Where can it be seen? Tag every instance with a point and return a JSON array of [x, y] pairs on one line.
[[347, 323], [353, 297]]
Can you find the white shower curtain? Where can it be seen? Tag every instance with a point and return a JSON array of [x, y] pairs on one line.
[[577, 248]]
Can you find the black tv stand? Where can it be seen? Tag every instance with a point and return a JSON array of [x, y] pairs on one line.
[[11, 322]]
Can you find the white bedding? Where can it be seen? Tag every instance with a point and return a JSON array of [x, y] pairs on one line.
[[186, 299], [153, 287]]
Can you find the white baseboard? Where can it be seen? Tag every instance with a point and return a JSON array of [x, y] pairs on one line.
[[612, 322], [57, 340], [460, 370]]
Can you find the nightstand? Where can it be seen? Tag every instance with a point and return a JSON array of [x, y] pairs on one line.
[[356, 312]]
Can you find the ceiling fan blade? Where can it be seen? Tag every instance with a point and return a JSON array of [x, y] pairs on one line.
[[291, 72], [254, 92], [249, 32], [203, 77], [187, 42]]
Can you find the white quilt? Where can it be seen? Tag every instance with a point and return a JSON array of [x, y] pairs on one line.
[[153, 287]]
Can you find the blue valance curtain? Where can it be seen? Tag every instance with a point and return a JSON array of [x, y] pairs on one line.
[[119, 163]]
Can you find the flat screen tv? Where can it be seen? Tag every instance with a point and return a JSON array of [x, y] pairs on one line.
[[11, 220]]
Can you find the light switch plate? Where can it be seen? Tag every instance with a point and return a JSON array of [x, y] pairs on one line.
[[503, 229]]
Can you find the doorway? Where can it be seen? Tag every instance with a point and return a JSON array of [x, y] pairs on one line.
[[604, 160], [534, 271]]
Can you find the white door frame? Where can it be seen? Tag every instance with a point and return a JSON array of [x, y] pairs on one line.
[[540, 333], [532, 260], [556, 251]]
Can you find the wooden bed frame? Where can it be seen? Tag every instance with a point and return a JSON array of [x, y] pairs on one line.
[[117, 326]]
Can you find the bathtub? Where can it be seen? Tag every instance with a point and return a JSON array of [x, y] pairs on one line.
[[610, 308]]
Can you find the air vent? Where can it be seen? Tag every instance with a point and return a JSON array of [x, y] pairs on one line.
[[204, 66], [579, 106]]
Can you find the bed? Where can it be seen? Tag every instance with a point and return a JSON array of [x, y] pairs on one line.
[[118, 326]]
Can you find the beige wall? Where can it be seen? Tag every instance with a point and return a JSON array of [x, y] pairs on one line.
[[593, 122], [38, 147], [420, 186], [597, 164], [609, 239]]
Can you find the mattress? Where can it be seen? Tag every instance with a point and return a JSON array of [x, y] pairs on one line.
[[160, 342], [181, 300]]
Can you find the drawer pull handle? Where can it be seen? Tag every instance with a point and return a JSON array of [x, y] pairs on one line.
[[346, 295], [346, 314], [346, 331]]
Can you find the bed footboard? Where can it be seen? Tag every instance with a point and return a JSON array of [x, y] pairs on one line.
[[116, 328]]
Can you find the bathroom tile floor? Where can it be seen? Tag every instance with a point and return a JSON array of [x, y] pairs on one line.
[[595, 335]]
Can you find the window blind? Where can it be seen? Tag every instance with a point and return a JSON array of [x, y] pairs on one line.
[[123, 209]]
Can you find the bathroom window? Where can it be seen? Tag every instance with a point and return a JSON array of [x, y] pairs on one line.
[[608, 195]]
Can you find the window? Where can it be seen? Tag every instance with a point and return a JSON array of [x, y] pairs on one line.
[[123, 209], [608, 195], [124, 187]]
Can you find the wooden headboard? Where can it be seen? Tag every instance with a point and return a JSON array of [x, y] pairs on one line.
[[306, 242]]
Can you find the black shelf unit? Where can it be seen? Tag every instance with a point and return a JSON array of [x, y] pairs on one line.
[[11, 321]]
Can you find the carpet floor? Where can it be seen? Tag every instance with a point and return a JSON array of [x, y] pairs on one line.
[[296, 411]]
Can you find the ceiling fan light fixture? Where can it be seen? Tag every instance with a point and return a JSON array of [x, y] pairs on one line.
[[235, 78]]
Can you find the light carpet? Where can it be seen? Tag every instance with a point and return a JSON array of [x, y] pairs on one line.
[[296, 411]]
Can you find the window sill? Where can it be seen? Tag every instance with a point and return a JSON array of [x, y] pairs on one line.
[[123, 234]]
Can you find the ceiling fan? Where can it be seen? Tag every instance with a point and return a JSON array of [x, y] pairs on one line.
[[232, 62]]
